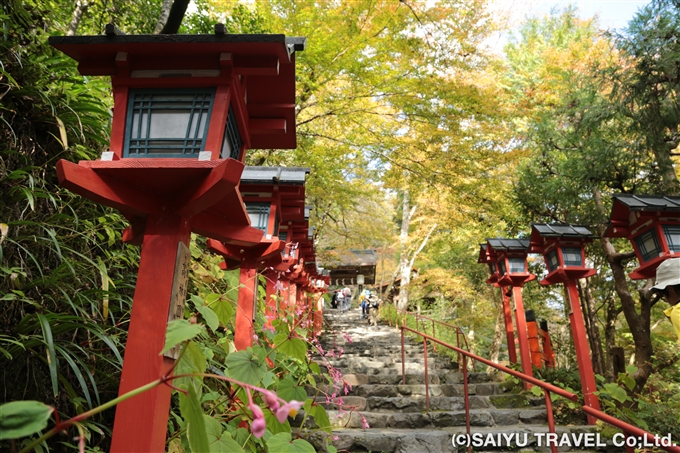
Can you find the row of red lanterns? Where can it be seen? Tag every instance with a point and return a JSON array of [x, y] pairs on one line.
[[650, 223]]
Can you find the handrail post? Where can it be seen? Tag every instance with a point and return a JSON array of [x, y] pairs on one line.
[[551, 418], [403, 359], [427, 378], [434, 345], [466, 392], [629, 449]]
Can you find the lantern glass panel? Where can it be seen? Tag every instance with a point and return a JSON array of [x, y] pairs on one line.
[[672, 233], [552, 261], [259, 215], [517, 265], [492, 268], [572, 257], [648, 244], [283, 235], [167, 123], [231, 146], [501, 267]]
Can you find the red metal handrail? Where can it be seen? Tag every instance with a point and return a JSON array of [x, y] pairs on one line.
[[628, 429], [457, 329]]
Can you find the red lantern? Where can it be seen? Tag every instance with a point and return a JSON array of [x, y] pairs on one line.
[[562, 247], [652, 225]]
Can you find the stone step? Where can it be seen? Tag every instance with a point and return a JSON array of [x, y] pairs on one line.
[[395, 440], [398, 389], [435, 419], [393, 376], [418, 403]]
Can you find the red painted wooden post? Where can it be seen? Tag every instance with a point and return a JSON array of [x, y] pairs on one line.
[[548, 352], [585, 364], [534, 344], [272, 297], [520, 319], [142, 421], [246, 305], [509, 332]]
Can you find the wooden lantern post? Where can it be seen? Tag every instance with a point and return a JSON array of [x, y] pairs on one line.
[[562, 247], [486, 258], [180, 129], [652, 225], [511, 264], [265, 190]]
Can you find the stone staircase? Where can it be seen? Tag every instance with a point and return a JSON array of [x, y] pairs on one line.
[[379, 414]]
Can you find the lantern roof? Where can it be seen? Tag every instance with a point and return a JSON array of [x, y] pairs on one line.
[[274, 175], [483, 255], [508, 245], [624, 204], [561, 231]]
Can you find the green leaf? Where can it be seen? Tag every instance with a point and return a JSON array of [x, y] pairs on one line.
[[192, 361], [244, 367], [192, 413], [293, 347], [289, 390], [268, 379], [536, 391], [315, 367], [616, 392], [281, 443], [628, 382], [51, 356], [321, 418], [23, 418], [273, 424], [331, 449], [631, 369], [222, 307], [220, 441], [179, 331], [210, 317]]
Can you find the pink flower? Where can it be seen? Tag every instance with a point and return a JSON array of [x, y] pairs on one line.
[[364, 423], [258, 426], [289, 409], [272, 400]]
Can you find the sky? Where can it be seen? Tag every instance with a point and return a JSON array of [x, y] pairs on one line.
[[612, 13]]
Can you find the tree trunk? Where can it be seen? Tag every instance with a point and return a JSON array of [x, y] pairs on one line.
[[81, 8], [498, 334], [610, 337], [175, 17], [594, 339], [639, 323], [407, 213], [163, 17]]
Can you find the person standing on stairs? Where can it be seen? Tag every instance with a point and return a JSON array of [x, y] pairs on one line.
[[668, 285]]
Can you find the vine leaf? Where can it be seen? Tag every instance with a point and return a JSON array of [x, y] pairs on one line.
[[180, 330], [289, 390], [220, 441], [244, 367], [281, 443], [293, 347]]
